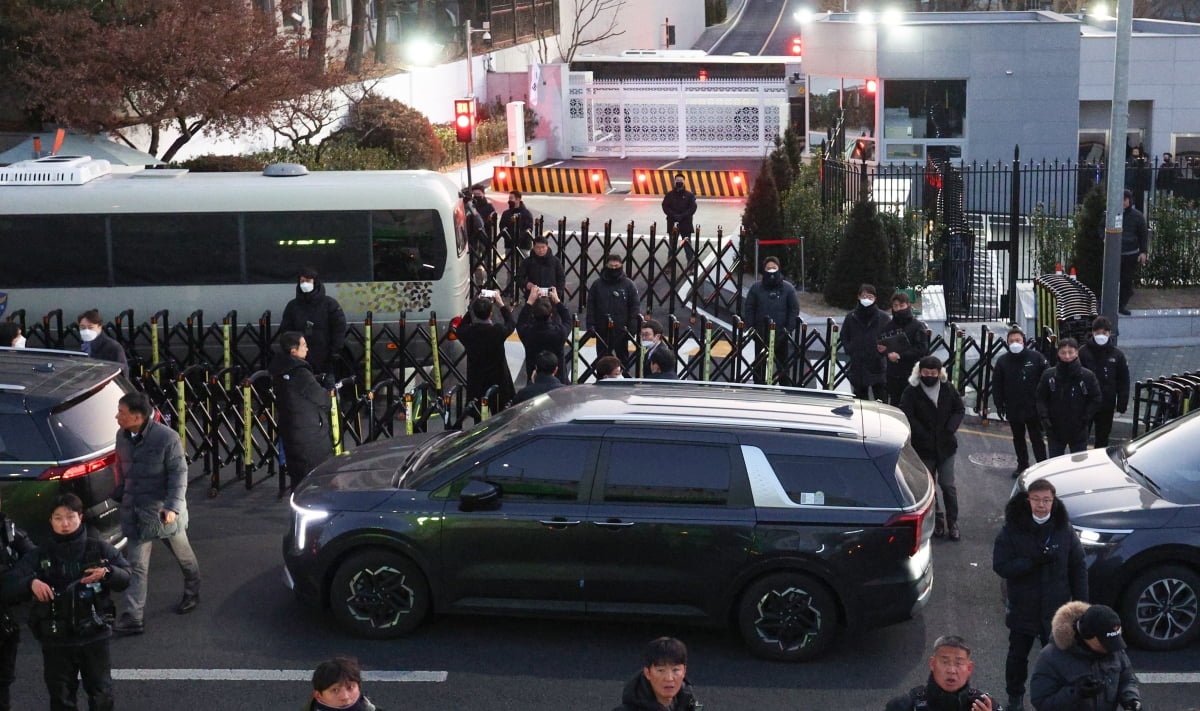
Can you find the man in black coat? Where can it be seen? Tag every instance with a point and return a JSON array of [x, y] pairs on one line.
[[662, 683], [1068, 397], [772, 300], [96, 343], [679, 206], [14, 545], [483, 340], [650, 338], [1086, 668], [544, 378], [935, 410], [904, 341], [319, 318], [1135, 248], [949, 685], [516, 224], [541, 269], [1015, 381], [1039, 556], [544, 326], [303, 406], [1108, 364], [861, 329], [613, 297]]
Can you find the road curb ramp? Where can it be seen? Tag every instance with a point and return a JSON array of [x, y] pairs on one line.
[[575, 181], [705, 183]]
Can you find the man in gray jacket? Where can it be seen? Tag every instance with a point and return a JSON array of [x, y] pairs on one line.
[[152, 491]]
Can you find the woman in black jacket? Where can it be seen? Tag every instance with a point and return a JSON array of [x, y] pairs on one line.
[[304, 408]]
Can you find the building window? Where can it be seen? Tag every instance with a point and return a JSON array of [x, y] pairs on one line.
[[924, 109], [824, 103]]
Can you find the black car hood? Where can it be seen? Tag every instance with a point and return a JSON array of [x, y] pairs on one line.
[[361, 479], [1098, 494]]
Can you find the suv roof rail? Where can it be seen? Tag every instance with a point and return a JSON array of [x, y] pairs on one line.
[[719, 421], [789, 390]]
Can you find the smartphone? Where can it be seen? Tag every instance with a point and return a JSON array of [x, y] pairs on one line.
[[543, 291], [488, 293]]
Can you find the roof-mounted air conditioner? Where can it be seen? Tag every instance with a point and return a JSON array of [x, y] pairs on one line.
[[55, 170]]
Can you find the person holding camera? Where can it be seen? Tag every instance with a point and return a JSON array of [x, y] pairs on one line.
[[1086, 668], [483, 340], [1038, 555], [949, 685], [70, 580], [542, 270]]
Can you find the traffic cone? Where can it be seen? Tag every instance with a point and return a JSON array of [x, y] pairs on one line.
[[1072, 276], [1058, 269]]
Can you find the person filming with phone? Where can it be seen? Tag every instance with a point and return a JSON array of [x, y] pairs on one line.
[[483, 340]]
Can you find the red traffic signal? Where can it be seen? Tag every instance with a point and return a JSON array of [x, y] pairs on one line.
[[872, 86], [464, 120], [797, 46]]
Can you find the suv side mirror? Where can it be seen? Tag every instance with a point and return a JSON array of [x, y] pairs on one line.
[[479, 495]]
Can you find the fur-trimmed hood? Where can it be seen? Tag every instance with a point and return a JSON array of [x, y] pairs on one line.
[[914, 378], [1063, 625], [1018, 514]]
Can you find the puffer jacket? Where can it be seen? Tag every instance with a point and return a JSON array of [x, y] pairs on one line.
[[638, 695], [1014, 384], [861, 330], [1067, 660], [151, 474], [1108, 364], [1068, 397], [321, 319], [1038, 584], [933, 426]]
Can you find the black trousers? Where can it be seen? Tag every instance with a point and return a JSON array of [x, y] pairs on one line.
[[1036, 438], [1016, 666], [895, 388], [1129, 264], [8, 663], [65, 665], [1055, 446], [878, 391], [1103, 424]]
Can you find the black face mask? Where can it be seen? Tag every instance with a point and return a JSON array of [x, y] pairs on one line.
[[479, 200], [1070, 367], [679, 186], [611, 274], [772, 279], [512, 203], [929, 380]]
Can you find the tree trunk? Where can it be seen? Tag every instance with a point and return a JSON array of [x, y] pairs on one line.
[[358, 35], [381, 38], [320, 34]]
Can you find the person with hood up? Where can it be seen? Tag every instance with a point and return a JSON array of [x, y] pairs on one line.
[[543, 326], [1085, 668], [949, 685], [542, 270], [860, 336], [483, 340], [1068, 397], [772, 300], [905, 340], [303, 407], [662, 684], [1040, 559], [613, 297], [935, 410], [1014, 388], [1108, 364], [319, 318], [679, 206]]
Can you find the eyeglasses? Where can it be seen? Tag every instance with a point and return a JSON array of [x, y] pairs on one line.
[[1041, 500]]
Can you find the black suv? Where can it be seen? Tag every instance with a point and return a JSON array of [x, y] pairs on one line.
[[57, 436], [788, 512]]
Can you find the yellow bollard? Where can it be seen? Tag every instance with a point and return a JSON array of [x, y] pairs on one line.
[[335, 422], [248, 423], [770, 372], [227, 350], [154, 341], [181, 408], [834, 342], [367, 355], [437, 360]]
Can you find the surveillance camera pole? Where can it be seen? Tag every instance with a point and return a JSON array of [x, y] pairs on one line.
[[1114, 219], [468, 31]]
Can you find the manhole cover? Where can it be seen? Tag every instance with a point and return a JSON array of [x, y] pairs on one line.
[[997, 461]]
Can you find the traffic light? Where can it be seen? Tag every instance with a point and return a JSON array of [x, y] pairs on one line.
[[464, 120], [797, 46], [872, 86]]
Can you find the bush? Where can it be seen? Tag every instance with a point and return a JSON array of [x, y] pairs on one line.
[[862, 258], [1089, 239], [762, 218], [399, 130], [804, 217], [1174, 245], [1052, 237], [223, 164], [715, 12], [903, 236]]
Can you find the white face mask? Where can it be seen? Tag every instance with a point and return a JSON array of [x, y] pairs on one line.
[[19, 342], [866, 302], [770, 271], [306, 286], [1016, 348], [647, 344], [1100, 339], [87, 335], [1041, 519]]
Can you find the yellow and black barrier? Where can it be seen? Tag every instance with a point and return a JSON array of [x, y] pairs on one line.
[[588, 181], [705, 183]]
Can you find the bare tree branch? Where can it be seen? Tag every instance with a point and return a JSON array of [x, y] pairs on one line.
[[601, 13]]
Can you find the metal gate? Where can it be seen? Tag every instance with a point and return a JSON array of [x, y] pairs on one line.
[[675, 118]]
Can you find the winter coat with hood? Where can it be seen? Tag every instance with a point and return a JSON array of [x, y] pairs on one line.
[[1108, 364], [1041, 564], [303, 407], [544, 334], [933, 424], [772, 299], [321, 319], [613, 296], [1067, 659], [914, 330], [1068, 397], [1015, 381], [638, 695], [544, 271], [861, 330]]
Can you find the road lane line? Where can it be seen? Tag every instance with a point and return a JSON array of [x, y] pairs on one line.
[[264, 675], [771, 35], [1168, 677]]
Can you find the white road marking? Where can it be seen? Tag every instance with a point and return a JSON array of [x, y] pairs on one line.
[[551, 165], [1168, 677], [263, 675]]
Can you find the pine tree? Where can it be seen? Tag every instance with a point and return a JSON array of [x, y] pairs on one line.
[[862, 258], [1089, 239]]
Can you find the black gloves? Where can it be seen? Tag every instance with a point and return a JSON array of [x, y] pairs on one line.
[[1131, 705], [1089, 686]]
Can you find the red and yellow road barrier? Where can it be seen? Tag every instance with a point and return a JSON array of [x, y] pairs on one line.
[[705, 183], [584, 181]]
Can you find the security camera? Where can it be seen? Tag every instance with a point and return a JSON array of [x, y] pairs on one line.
[[487, 36], [297, 18]]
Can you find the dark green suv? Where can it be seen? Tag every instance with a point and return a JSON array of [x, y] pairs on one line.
[[57, 435], [791, 513]]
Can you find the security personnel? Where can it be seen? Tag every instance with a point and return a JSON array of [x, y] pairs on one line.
[[949, 686], [1068, 396], [1108, 364], [14, 545], [1015, 381], [679, 206]]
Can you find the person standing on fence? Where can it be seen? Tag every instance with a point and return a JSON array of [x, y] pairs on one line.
[[483, 340], [152, 479], [679, 206], [935, 410], [96, 343], [544, 326], [613, 297], [866, 367], [304, 408], [1068, 397], [1135, 246], [772, 299], [905, 340], [1014, 388], [1108, 364], [319, 317], [542, 270]]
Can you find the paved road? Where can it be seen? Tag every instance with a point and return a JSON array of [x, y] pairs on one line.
[[249, 630], [766, 27]]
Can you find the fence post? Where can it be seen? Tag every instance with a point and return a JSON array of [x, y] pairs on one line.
[[770, 367], [154, 341], [706, 365], [227, 350], [247, 422], [958, 356], [368, 378], [575, 344], [1014, 234], [181, 410], [335, 421], [408, 412], [833, 341], [437, 360]]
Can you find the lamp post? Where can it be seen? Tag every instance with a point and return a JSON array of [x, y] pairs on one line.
[[486, 31]]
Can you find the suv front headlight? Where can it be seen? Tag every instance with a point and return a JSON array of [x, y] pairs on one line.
[[1096, 538], [302, 518]]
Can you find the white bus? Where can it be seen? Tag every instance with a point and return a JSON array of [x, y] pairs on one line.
[[75, 236]]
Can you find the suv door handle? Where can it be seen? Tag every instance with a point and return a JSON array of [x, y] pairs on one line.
[[614, 524], [559, 523]]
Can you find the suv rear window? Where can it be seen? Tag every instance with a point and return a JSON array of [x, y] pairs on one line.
[[87, 425], [21, 442], [914, 477], [832, 481]]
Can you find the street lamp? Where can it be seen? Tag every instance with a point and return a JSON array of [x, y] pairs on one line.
[[486, 31]]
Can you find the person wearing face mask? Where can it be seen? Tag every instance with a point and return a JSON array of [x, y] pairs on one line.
[[542, 269], [10, 335], [516, 225], [607, 368], [481, 216], [1108, 363], [905, 340], [935, 410], [320, 318], [866, 366], [1068, 397], [613, 298], [772, 300], [1040, 559], [483, 206], [651, 336], [1015, 379], [679, 206], [543, 327], [96, 343]]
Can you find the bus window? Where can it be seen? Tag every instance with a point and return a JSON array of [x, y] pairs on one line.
[[53, 250], [408, 245], [278, 244], [176, 248]]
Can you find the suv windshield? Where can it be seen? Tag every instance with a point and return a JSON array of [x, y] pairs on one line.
[[1167, 457], [445, 451]]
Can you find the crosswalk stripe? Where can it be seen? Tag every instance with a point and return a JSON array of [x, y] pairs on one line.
[[265, 675]]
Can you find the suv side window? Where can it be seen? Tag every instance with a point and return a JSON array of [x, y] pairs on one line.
[[541, 469], [668, 473], [832, 481]]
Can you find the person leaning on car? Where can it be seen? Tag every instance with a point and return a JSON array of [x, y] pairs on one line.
[[1086, 668]]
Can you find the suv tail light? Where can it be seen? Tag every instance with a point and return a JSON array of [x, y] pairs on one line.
[[914, 520], [71, 471]]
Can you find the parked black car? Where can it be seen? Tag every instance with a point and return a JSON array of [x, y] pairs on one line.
[[57, 436], [1137, 510], [788, 512]]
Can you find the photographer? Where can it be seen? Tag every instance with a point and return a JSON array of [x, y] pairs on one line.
[[949, 686], [1086, 669], [483, 340], [1040, 559]]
